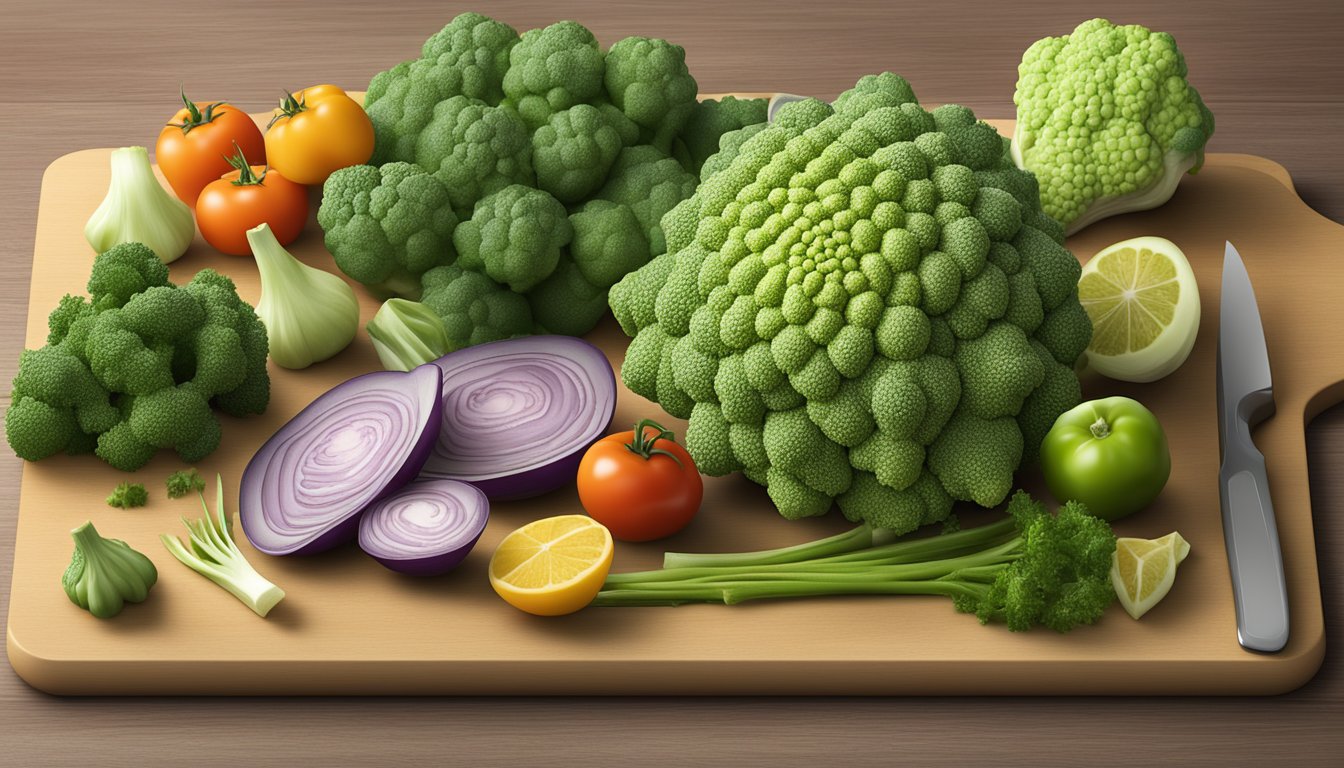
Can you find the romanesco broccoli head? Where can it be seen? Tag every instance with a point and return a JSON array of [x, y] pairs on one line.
[[1107, 121], [474, 308], [552, 69], [385, 226], [862, 306], [514, 236]]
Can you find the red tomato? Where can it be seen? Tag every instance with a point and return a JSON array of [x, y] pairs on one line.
[[247, 198], [641, 488], [194, 148]]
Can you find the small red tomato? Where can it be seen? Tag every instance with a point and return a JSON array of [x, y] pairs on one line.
[[246, 198], [640, 484]]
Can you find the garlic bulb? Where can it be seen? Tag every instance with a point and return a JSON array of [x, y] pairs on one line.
[[309, 314], [138, 209]]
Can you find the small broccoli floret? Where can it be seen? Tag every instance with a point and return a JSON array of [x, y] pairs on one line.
[[474, 149], [651, 183], [183, 482], [468, 57], [648, 80], [609, 242], [552, 69], [573, 152], [122, 271], [712, 119], [127, 495], [567, 302], [1107, 121], [514, 236], [387, 226], [474, 308]]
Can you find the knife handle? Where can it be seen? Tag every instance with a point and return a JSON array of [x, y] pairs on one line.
[[1254, 557]]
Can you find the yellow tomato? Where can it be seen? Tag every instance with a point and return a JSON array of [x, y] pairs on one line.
[[317, 131]]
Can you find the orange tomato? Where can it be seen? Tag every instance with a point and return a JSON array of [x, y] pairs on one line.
[[317, 131], [641, 488], [246, 198], [194, 148]]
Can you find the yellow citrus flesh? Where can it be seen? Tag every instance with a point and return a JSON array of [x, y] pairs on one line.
[[1144, 304], [552, 566], [1143, 570]]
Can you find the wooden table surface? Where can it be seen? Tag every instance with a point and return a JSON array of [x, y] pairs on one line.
[[83, 74]]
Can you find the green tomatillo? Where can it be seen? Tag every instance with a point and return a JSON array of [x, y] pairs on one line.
[[1110, 454]]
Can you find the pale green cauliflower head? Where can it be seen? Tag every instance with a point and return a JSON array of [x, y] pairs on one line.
[[865, 306], [1107, 121]]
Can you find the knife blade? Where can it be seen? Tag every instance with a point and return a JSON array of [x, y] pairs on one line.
[[1245, 398]]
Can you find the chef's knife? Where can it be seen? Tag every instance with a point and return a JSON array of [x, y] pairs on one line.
[[1245, 398]]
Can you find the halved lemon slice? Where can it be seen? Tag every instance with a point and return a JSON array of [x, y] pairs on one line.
[[1143, 570], [1144, 303], [552, 566]]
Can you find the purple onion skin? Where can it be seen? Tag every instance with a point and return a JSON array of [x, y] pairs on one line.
[[562, 470], [346, 528]]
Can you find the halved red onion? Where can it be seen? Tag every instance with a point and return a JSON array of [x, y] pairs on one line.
[[361, 440], [426, 528], [518, 414]]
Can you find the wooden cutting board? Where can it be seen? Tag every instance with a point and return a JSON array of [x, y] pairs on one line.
[[350, 626]]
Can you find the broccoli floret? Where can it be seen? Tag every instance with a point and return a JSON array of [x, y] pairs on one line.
[[1107, 121], [387, 226], [127, 495], [648, 80], [651, 183], [609, 242], [136, 368], [474, 308], [567, 302], [514, 237], [712, 119], [474, 149], [183, 482], [861, 306], [574, 151], [468, 57], [553, 69]]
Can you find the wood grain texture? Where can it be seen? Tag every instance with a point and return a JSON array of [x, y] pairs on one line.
[[83, 74]]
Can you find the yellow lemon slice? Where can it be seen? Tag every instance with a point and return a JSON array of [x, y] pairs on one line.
[[553, 566], [1144, 303], [1143, 570]]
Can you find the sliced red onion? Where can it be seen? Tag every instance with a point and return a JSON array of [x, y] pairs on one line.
[[303, 491], [518, 414], [426, 528]]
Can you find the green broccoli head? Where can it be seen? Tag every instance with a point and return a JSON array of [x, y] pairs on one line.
[[553, 69], [468, 57], [574, 151], [514, 236], [713, 118], [860, 308], [1107, 121], [474, 149], [386, 226], [140, 373], [648, 80], [609, 242], [474, 308]]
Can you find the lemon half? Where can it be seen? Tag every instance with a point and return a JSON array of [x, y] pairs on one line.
[[1143, 570], [552, 566], [1144, 303]]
